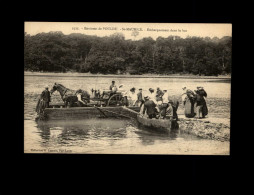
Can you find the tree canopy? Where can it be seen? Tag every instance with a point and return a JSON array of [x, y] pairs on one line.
[[56, 52]]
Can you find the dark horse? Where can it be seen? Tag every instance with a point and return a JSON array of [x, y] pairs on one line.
[[69, 96]]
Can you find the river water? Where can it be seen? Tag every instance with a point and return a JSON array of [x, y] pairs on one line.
[[119, 136]]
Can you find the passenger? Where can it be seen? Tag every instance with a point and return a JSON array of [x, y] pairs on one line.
[[159, 95], [140, 99], [169, 110], [174, 103], [80, 102], [164, 105], [113, 87], [201, 103], [133, 97], [149, 108], [152, 95], [189, 104], [124, 93]]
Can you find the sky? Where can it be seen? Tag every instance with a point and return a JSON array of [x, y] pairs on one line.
[[153, 30]]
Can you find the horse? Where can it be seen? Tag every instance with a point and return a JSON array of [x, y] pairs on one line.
[[69, 96]]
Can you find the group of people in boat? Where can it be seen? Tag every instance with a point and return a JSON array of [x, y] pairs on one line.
[[158, 104], [154, 104]]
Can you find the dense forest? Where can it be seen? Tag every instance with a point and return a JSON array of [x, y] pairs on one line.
[[56, 52]]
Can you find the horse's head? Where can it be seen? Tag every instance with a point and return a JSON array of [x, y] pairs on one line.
[[54, 88]]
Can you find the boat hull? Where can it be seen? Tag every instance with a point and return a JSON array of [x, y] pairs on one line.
[[87, 112], [155, 123]]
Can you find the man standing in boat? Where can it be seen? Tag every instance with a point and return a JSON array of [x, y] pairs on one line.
[[152, 95], [140, 99], [133, 97], [164, 105], [159, 95], [149, 108]]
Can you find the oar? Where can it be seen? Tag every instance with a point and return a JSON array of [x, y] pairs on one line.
[[101, 111]]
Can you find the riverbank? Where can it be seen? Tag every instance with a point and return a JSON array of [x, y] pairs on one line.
[[207, 128], [75, 74]]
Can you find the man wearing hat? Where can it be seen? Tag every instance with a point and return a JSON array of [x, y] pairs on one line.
[[45, 97], [152, 95], [174, 103], [113, 87], [140, 99], [149, 108], [159, 94], [164, 104]]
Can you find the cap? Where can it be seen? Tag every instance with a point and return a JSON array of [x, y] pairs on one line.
[[170, 101]]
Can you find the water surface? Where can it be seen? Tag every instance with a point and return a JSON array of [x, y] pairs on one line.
[[118, 136]]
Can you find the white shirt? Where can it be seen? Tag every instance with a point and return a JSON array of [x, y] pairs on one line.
[[153, 97], [133, 96], [123, 91], [165, 98], [79, 98]]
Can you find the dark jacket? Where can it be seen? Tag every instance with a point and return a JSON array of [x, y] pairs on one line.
[[200, 94], [45, 95], [140, 98], [159, 95], [149, 107]]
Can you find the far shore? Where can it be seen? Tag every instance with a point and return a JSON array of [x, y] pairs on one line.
[[76, 74]]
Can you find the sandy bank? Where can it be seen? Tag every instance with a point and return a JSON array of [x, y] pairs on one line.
[[208, 128]]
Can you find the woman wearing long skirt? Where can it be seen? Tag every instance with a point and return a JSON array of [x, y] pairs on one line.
[[189, 104]]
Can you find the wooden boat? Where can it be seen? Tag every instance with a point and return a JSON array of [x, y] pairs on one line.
[[58, 111], [156, 123]]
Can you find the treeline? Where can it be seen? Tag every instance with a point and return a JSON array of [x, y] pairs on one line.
[[56, 52]]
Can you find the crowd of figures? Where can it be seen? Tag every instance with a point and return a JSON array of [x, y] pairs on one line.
[[154, 104], [195, 103]]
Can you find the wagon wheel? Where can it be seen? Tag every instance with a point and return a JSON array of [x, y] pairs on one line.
[[115, 99]]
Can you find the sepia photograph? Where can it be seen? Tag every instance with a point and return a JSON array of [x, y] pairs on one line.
[[127, 88]]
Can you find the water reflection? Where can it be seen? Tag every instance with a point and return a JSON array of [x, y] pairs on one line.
[[69, 132]]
